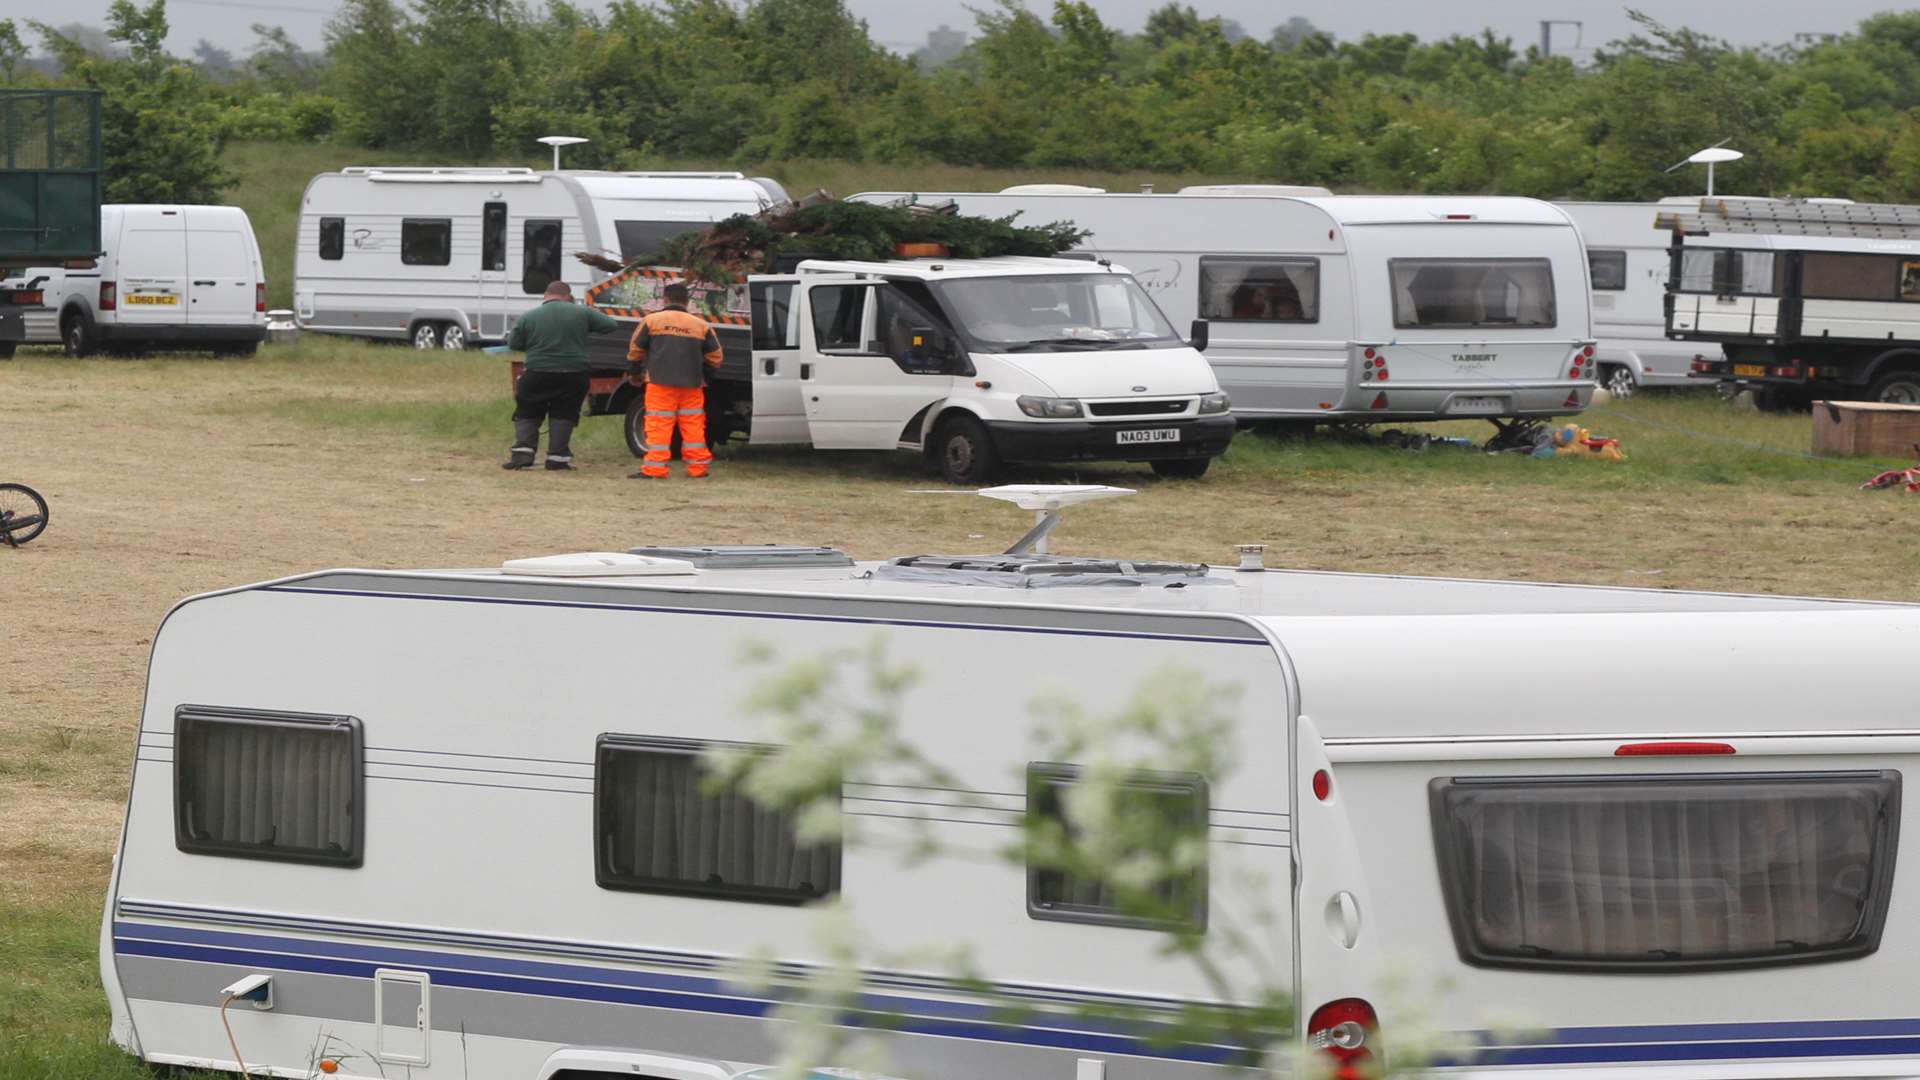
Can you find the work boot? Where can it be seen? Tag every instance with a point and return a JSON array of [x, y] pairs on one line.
[[555, 464], [560, 440], [520, 457], [645, 476]]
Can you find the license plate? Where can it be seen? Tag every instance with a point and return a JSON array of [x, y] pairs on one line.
[[138, 298], [1758, 371], [1477, 405], [1149, 435]]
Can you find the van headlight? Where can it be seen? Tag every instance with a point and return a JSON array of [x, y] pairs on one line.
[[1214, 403], [1051, 408]]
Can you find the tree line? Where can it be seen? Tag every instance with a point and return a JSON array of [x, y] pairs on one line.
[[768, 80]]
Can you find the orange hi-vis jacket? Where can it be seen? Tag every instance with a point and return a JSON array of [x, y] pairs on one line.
[[673, 344]]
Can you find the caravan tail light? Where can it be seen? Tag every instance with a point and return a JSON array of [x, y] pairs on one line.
[[259, 296], [109, 296], [1671, 749], [1345, 1031], [1587, 352]]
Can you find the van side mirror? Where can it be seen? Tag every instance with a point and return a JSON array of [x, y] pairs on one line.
[[1197, 337]]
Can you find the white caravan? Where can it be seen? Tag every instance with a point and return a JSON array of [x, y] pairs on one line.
[[969, 362], [407, 849], [168, 276], [448, 257], [1628, 261], [1345, 307]]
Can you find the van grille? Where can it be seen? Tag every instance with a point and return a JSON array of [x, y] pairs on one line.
[[1138, 408]]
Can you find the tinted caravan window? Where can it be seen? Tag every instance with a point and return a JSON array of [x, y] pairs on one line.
[[493, 237], [643, 239], [657, 828], [1177, 800], [333, 237], [1608, 269], [1452, 293], [426, 241], [539, 255], [1260, 290], [1673, 872], [268, 785]]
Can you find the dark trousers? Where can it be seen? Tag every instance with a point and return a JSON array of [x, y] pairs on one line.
[[552, 396]]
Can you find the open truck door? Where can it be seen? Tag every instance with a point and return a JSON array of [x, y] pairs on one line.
[[876, 360]]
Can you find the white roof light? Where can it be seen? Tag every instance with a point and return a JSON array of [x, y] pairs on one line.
[[597, 564]]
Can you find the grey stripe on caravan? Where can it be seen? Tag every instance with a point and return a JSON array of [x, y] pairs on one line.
[[1222, 628], [603, 1025]]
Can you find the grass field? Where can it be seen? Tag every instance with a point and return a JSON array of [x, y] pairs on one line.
[[176, 475], [273, 177]]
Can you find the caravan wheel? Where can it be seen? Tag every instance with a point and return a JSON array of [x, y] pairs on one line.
[[453, 337], [426, 336]]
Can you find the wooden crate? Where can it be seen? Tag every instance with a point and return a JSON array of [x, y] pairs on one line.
[[1865, 429]]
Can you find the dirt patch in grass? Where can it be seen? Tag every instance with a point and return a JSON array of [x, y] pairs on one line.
[[174, 476]]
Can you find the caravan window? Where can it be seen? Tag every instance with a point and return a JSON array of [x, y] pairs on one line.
[[539, 255], [1666, 872], [1459, 293], [333, 237], [1260, 290], [268, 785], [493, 237], [1170, 810], [1724, 272], [1608, 269], [657, 828], [426, 241], [643, 239]]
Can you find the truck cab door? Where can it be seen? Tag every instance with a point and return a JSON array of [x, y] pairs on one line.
[[862, 384], [779, 416]]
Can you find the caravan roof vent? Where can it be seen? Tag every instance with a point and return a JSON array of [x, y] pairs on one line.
[[596, 564], [1034, 571], [1291, 190], [744, 556], [1052, 189]]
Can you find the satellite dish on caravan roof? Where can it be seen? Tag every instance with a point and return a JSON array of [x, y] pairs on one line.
[[1717, 154], [1052, 189]]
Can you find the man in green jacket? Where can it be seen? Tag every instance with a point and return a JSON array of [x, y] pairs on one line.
[[554, 383]]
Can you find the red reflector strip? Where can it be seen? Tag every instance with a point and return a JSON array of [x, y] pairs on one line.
[[1671, 749], [1380, 402]]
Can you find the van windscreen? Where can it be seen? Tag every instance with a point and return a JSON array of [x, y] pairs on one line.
[[1669, 872], [1455, 293]]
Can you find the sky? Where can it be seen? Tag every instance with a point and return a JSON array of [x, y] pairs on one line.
[[903, 24]]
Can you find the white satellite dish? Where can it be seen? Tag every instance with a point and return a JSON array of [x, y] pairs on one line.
[[558, 141], [1717, 154], [1046, 501]]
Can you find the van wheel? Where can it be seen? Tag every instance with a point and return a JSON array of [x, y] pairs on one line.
[[453, 337], [1617, 379], [965, 451], [1181, 468], [426, 336], [76, 334], [637, 425], [1898, 388]]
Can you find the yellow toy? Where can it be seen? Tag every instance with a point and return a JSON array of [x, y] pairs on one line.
[[1578, 442]]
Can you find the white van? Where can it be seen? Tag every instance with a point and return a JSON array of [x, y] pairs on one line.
[[168, 277], [1347, 308], [415, 859], [447, 257], [971, 363]]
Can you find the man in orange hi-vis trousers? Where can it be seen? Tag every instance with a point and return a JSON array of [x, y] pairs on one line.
[[673, 348]]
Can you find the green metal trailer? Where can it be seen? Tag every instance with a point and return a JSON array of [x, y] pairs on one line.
[[50, 187]]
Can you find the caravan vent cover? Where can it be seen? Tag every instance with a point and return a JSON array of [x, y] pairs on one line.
[[596, 564], [1040, 571], [743, 556]]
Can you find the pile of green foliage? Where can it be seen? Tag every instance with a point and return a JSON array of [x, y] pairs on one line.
[[753, 243]]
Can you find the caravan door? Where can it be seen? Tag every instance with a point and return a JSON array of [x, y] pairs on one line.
[[779, 416], [490, 306], [865, 378]]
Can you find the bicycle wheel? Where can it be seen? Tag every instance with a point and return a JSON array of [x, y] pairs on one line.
[[23, 513]]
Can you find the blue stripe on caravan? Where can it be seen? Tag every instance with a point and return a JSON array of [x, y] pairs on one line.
[[1701, 1051], [777, 615], [920, 1016]]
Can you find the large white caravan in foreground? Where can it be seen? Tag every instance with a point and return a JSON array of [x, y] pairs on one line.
[[412, 835], [448, 257], [1326, 307]]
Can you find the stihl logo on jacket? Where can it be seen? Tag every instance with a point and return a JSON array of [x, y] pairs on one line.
[[675, 345]]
